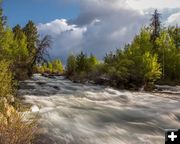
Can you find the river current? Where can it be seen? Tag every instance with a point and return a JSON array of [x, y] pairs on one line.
[[73, 113]]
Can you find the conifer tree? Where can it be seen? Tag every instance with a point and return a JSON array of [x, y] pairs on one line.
[[155, 26]]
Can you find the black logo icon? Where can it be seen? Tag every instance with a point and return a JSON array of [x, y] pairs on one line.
[[172, 136]]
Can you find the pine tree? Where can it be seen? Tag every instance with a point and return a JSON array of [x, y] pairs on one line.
[[21, 41], [21, 53], [3, 18], [37, 48], [81, 61], [31, 33], [71, 65], [155, 26]]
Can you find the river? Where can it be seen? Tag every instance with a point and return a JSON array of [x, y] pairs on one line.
[[73, 113]]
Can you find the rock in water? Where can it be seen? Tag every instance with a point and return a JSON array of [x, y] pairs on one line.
[[34, 109]]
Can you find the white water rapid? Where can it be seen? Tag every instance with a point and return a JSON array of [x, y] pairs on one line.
[[72, 113]]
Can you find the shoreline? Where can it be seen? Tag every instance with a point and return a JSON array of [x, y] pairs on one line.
[[158, 88]]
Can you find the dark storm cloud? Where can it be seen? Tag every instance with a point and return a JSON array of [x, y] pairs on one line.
[[101, 26]]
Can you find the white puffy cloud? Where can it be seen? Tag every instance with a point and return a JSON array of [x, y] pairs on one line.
[[67, 39], [101, 26], [55, 27], [174, 19]]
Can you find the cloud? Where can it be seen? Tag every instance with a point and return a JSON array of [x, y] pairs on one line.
[[158, 4], [174, 19], [55, 27], [100, 27], [67, 39]]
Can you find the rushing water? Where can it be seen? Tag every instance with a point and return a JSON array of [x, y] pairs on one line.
[[72, 113]]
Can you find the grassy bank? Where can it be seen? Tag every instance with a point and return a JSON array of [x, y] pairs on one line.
[[14, 129]]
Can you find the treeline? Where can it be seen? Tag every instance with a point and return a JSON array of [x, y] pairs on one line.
[[22, 47], [153, 56], [20, 50], [50, 67], [81, 67]]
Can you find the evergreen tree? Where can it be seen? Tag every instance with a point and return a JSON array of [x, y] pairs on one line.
[[16, 30], [3, 18], [71, 65], [38, 49], [31, 33], [20, 53], [21, 41], [81, 61], [155, 26]]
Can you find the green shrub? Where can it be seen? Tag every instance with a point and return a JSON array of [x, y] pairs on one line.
[[6, 83], [13, 128]]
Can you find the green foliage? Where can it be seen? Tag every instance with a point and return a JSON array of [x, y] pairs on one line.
[[167, 54], [82, 67], [7, 45], [139, 52], [57, 66], [6, 83], [92, 62], [151, 68], [117, 66], [52, 67], [153, 55], [2, 18], [174, 32], [71, 65], [81, 62], [13, 60], [31, 33], [37, 48], [13, 128], [20, 53]]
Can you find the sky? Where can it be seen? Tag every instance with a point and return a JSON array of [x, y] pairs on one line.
[[93, 26]]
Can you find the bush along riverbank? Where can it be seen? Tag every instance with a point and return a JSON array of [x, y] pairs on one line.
[[153, 57], [14, 129], [20, 50]]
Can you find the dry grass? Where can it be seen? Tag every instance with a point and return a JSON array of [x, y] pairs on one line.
[[17, 131], [13, 127]]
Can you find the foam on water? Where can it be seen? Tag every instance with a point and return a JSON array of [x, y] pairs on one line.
[[88, 114]]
